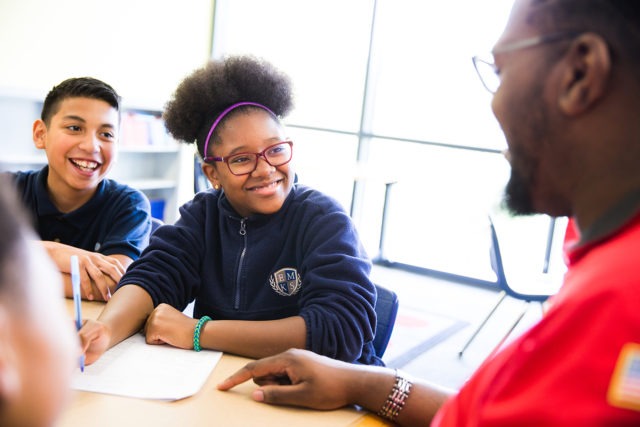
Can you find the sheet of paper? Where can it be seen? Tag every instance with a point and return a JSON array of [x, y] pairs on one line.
[[135, 369]]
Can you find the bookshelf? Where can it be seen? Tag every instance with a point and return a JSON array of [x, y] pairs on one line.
[[148, 159]]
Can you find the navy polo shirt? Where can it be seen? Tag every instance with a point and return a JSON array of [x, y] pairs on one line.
[[116, 220]]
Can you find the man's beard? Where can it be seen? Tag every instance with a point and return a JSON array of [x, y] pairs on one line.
[[517, 195]]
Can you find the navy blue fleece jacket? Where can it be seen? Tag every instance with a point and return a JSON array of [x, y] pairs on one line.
[[116, 220], [305, 260]]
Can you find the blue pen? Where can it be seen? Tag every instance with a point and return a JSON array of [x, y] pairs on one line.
[[75, 285]]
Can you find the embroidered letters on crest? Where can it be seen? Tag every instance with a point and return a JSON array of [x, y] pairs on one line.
[[286, 281]]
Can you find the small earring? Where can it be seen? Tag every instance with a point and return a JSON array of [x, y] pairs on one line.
[[216, 186]]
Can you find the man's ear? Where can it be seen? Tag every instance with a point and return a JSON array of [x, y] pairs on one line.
[[40, 134], [212, 174], [9, 369], [586, 74]]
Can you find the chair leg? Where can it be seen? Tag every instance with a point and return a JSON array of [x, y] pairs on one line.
[[543, 308], [501, 298], [504, 338]]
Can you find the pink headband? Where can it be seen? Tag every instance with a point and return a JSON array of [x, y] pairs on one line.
[[222, 115]]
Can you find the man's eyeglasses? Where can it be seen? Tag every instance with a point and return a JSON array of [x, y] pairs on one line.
[[489, 73], [244, 163]]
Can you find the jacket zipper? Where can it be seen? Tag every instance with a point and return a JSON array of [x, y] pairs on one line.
[[243, 233]]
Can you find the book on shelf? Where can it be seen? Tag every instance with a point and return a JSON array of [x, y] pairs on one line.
[[143, 129]]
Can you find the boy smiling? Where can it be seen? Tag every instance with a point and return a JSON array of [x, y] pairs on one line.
[[76, 210]]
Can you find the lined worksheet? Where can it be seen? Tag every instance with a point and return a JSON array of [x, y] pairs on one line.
[[134, 368]]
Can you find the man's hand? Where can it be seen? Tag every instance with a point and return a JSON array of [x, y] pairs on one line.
[[299, 378]]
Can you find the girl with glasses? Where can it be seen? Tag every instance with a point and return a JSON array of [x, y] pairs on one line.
[[271, 264]]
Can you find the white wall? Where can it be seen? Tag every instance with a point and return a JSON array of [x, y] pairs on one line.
[[143, 48]]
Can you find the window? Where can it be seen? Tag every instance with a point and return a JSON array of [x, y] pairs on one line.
[[390, 84], [322, 46]]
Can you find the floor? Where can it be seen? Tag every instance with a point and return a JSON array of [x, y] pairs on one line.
[[442, 364]]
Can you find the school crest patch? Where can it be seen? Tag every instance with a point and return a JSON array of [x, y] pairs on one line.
[[624, 389], [286, 281]]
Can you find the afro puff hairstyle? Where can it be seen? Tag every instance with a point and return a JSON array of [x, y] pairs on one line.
[[208, 91]]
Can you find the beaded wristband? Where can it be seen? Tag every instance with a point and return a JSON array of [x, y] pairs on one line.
[[396, 398], [196, 332]]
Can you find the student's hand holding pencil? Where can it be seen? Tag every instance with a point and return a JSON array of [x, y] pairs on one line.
[[95, 339]]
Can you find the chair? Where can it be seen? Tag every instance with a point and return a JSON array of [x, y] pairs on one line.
[[386, 310], [546, 290], [155, 224]]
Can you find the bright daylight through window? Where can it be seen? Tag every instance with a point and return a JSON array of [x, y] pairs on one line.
[[388, 102]]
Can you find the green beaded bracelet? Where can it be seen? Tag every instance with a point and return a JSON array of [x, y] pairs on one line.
[[196, 332]]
